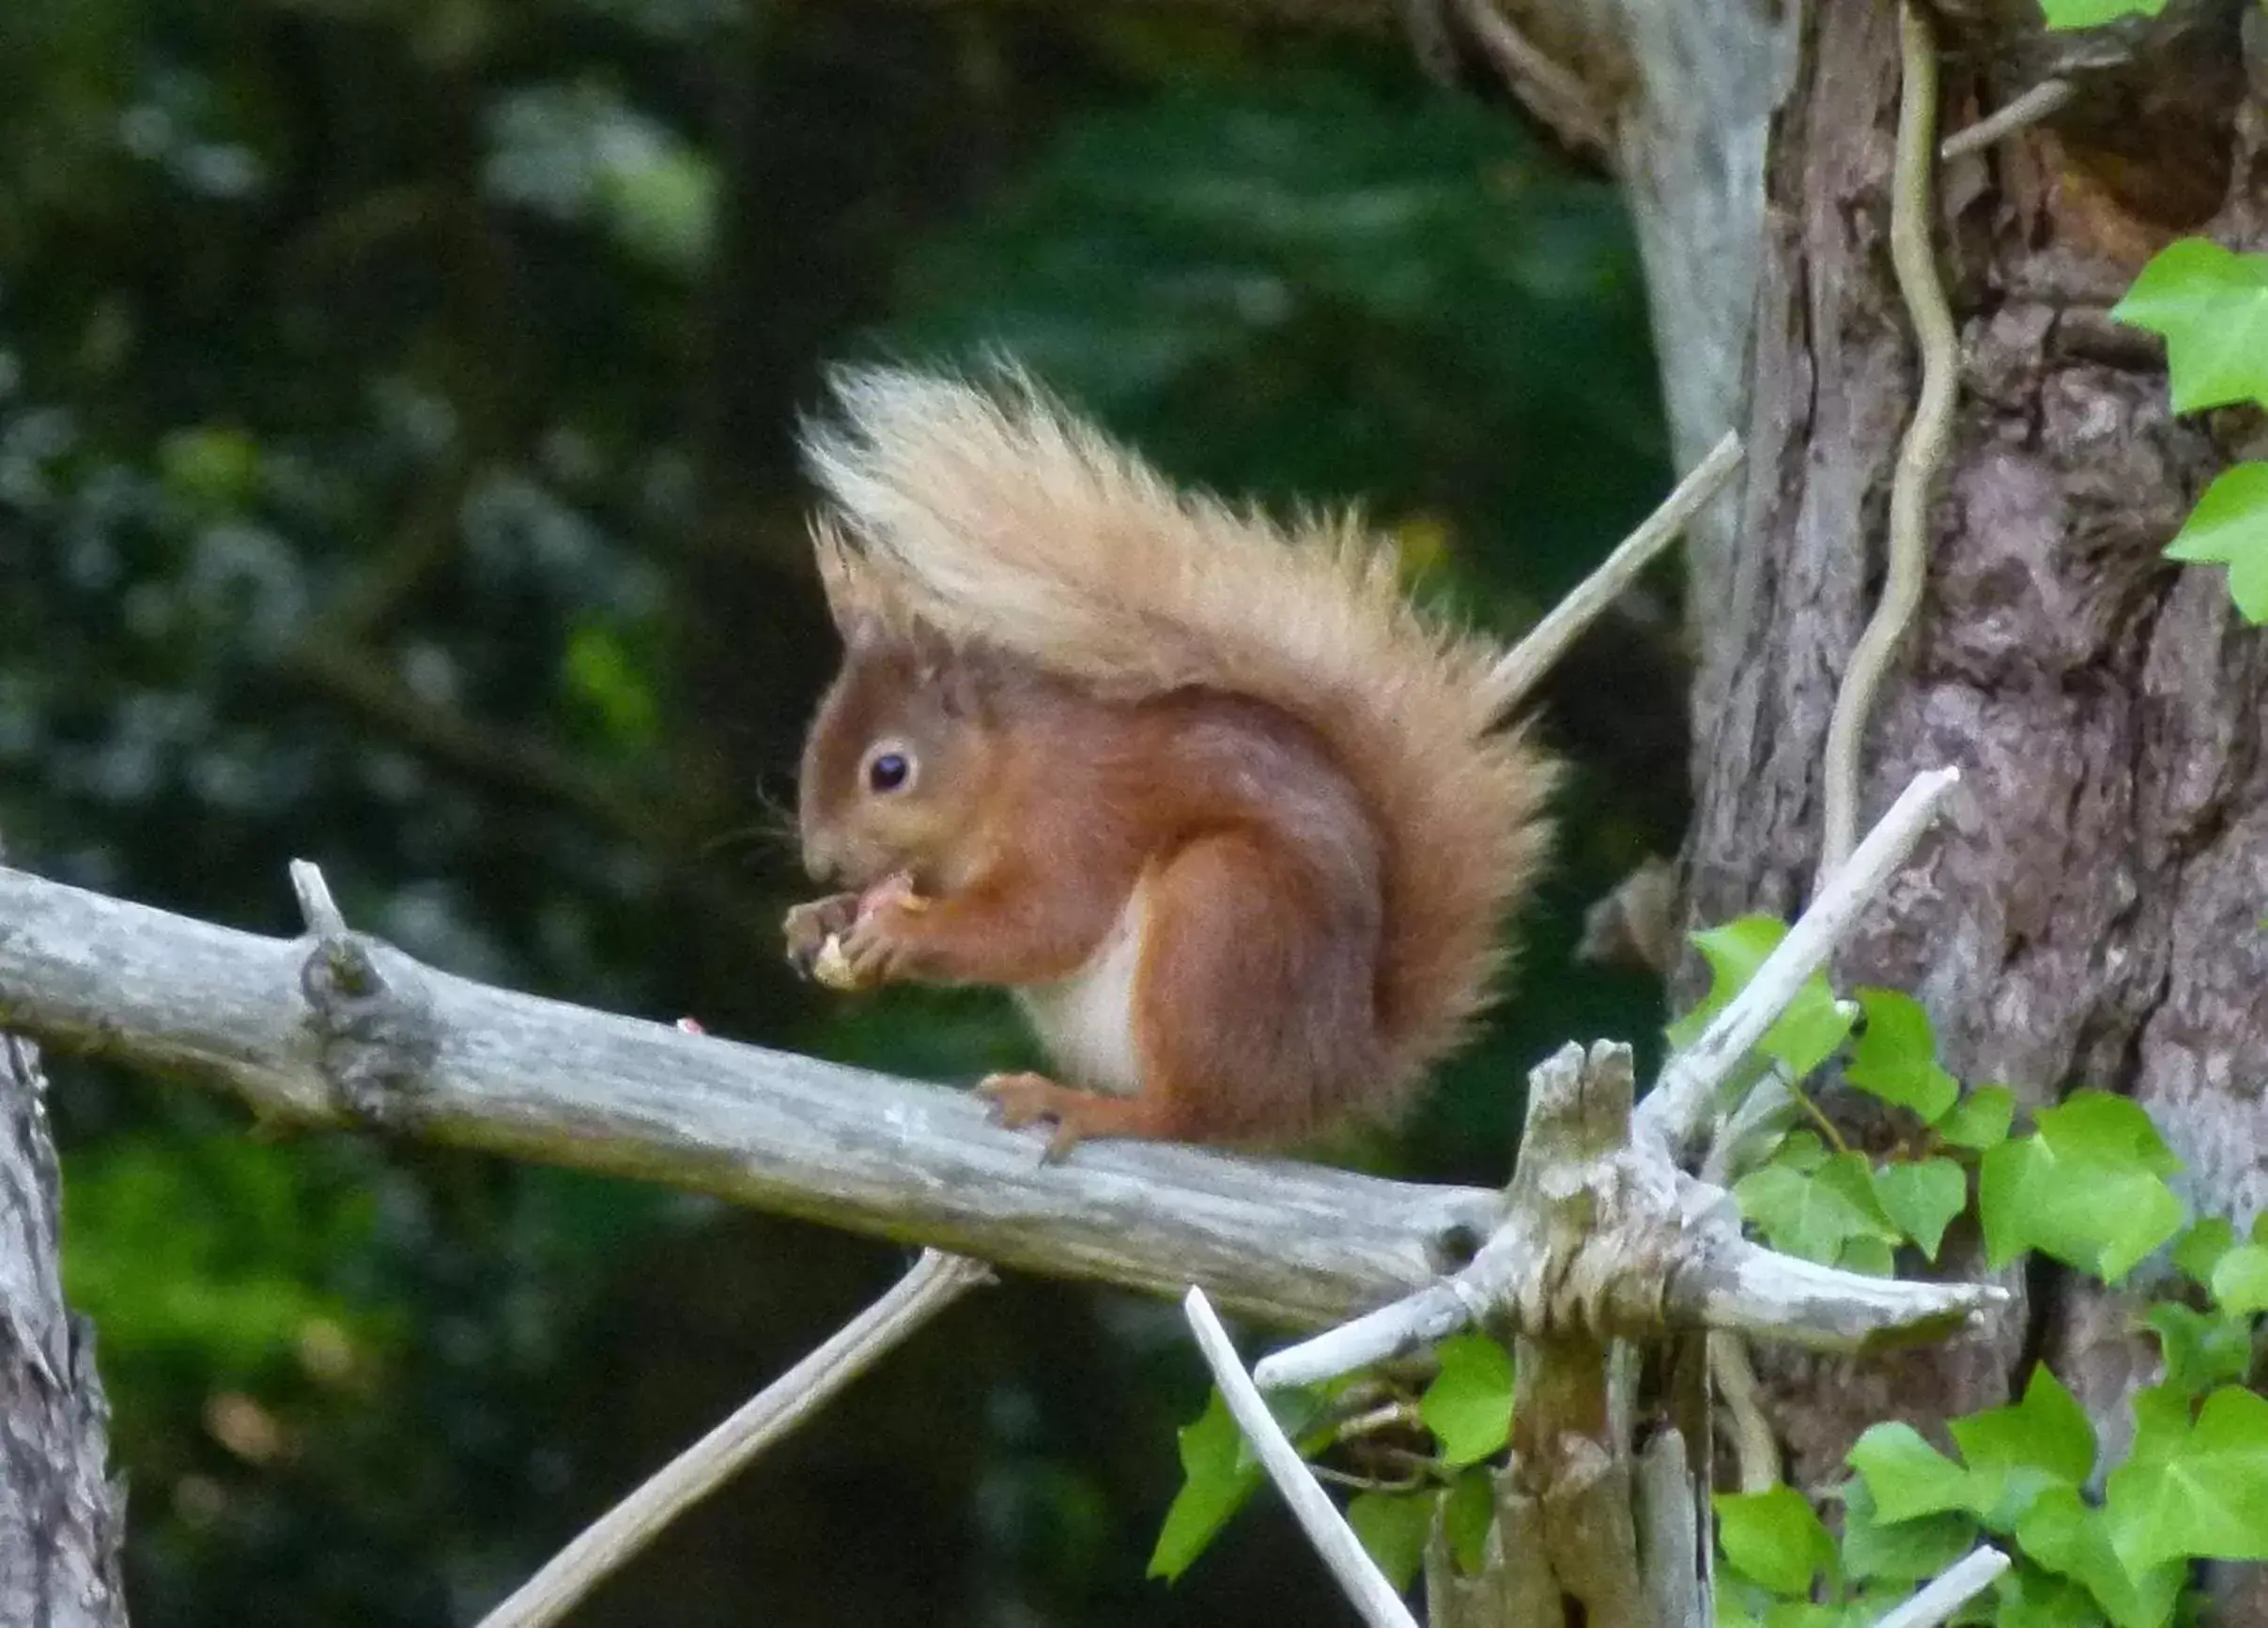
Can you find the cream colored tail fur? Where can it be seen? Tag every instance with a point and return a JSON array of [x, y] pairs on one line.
[[995, 516]]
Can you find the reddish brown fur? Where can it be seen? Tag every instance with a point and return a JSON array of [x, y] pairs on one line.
[[1111, 687]]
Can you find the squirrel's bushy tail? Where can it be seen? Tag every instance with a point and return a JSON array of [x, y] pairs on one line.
[[993, 516]]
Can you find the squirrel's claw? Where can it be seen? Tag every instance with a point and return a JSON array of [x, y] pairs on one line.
[[1021, 1099], [809, 926]]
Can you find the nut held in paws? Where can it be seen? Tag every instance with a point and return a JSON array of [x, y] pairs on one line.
[[830, 967]]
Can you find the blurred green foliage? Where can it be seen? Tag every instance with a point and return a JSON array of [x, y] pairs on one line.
[[395, 470]]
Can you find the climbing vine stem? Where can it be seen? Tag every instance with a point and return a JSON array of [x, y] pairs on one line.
[[1926, 438]]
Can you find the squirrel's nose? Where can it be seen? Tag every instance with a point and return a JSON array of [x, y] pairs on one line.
[[819, 860]]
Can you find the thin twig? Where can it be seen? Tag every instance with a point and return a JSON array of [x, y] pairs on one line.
[[1552, 92], [1318, 1517], [1388, 1416], [1955, 1588], [935, 1283], [1681, 1103], [1755, 1448], [1527, 662], [317, 908], [2042, 100], [1927, 439]]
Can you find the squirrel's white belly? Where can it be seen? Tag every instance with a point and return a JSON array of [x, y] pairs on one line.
[[1086, 1021]]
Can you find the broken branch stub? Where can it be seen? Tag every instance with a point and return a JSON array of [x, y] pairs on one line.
[[1618, 1241]]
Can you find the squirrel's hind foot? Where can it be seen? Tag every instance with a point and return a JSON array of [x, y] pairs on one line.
[[1021, 1099]]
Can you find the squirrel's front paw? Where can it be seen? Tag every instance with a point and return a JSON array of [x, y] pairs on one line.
[[809, 926], [875, 947]]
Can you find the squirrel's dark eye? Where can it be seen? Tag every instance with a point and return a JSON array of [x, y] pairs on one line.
[[889, 772]]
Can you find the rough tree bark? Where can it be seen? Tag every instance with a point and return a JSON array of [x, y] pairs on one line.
[[61, 1521], [2092, 920]]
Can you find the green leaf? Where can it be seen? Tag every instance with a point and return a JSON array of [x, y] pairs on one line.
[[1393, 1528], [1217, 1477], [1874, 1257], [2211, 305], [1801, 1150], [1922, 1198], [1802, 1614], [2201, 1349], [2085, 1188], [2094, 13], [1981, 1119], [2027, 1596], [1805, 1035], [2105, 1129], [2229, 526], [1905, 1476], [1900, 1551], [2240, 1280], [1816, 1214], [2199, 1249], [1467, 1515], [1469, 1405], [1774, 1537], [2060, 1533], [2012, 1452], [1895, 1057], [2193, 1491]]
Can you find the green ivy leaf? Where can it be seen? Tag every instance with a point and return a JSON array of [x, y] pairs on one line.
[[1874, 1257], [1896, 1056], [2211, 305], [1805, 1035], [1469, 1405], [1217, 1477], [1875, 1549], [2192, 1490], [2012, 1452], [2201, 1349], [2087, 1187], [1922, 1199], [1774, 1537], [1393, 1528], [1803, 1614], [2229, 526], [1801, 1150], [1467, 1515], [1981, 1119], [2027, 1596], [2199, 1249], [1905, 1476], [2094, 13], [1816, 1214], [2060, 1533], [2240, 1280]]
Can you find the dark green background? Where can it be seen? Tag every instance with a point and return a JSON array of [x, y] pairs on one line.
[[396, 400]]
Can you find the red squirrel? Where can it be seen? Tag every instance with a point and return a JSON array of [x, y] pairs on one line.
[[1233, 820]]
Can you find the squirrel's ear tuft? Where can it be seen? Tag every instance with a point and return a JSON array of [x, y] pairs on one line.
[[854, 598]]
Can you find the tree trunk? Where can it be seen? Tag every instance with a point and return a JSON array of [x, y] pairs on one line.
[[61, 1522], [2088, 915]]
